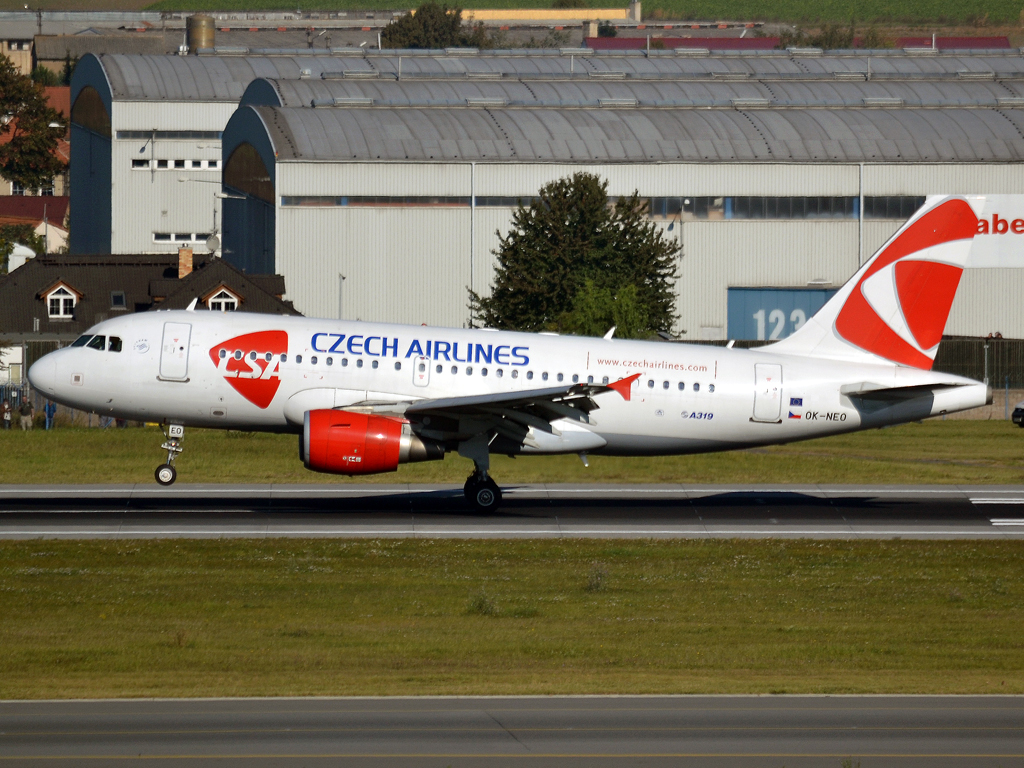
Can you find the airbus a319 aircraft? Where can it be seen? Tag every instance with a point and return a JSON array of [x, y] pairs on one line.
[[366, 397]]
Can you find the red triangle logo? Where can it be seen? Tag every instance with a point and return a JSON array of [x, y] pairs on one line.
[[251, 364]]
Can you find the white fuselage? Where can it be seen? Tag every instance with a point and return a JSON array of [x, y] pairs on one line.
[[263, 372]]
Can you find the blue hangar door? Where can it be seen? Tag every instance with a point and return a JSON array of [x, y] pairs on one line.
[[770, 314]]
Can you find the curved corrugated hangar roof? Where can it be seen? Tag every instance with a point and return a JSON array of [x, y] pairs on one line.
[[643, 135], [224, 78], [662, 93]]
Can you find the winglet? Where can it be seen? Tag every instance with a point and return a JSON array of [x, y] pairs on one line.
[[192, 307], [622, 386]]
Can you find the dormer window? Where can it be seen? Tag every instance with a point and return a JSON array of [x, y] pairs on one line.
[[223, 301], [60, 304]]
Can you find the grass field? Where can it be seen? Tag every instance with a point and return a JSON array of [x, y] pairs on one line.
[[233, 618], [964, 452]]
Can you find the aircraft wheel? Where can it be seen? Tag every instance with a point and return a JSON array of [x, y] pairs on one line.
[[166, 474], [484, 497]]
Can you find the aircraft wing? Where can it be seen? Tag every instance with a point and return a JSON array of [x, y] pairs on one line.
[[512, 414]]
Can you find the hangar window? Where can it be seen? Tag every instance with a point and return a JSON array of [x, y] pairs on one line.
[[332, 201], [246, 172], [118, 300], [140, 164], [90, 113], [747, 207], [166, 135]]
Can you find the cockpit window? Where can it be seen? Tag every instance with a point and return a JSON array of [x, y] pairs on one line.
[[114, 345], [98, 342], [81, 341]]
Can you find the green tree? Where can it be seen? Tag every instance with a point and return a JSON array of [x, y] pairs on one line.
[[31, 129], [573, 262], [10, 234], [433, 26], [45, 77], [69, 68]]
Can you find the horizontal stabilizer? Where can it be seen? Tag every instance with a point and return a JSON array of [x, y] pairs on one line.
[[867, 390]]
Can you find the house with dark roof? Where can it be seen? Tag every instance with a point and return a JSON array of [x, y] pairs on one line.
[[47, 215], [55, 298]]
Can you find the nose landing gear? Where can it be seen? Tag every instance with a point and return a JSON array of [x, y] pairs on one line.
[[166, 474]]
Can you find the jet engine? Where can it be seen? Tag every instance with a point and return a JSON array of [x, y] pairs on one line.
[[351, 443]]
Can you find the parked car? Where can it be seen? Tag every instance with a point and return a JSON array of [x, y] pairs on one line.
[[1018, 414]]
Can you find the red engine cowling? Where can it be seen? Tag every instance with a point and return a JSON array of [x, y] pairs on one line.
[[349, 443]]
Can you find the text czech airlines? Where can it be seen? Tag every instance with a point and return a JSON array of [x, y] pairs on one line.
[[451, 351]]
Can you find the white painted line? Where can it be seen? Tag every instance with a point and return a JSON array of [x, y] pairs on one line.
[[1007, 521], [997, 501]]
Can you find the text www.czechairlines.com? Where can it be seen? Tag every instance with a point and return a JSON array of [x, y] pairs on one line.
[[655, 365]]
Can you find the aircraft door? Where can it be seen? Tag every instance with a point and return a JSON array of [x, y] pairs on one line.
[[174, 352], [767, 392], [421, 371]]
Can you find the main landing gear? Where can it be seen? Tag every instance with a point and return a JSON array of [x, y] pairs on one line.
[[166, 474], [482, 493]]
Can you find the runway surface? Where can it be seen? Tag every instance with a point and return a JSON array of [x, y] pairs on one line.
[[870, 731], [544, 511]]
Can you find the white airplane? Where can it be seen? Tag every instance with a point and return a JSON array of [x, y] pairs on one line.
[[366, 397]]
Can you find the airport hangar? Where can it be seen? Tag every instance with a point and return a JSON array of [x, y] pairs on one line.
[[377, 194]]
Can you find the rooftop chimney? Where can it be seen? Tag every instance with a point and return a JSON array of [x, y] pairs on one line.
[[184, 262]]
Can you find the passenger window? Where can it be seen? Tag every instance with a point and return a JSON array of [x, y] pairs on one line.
[[560, 377], [422, 367], [344, 362], [455, 369], [238, 355], [515, 374], [97, 342], [439, 368], [483, 371], [252, 355], [529, 375], [398, 366], [664, 385], [499, 373], [223, 354], [604, 380], [696, 387], [284, 359], [374, 364], [330, 361], [650, 383], [359, 362], [469, 370], [711, 387], [682, 386], [590, 379], [575, 378], [312, 360], [298, 359], [114, 345], [81, 341], [544, 375]]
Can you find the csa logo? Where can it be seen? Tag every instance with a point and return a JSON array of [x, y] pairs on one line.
[[899, 307], [251, 364]]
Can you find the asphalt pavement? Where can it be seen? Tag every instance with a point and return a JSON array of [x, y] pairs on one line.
[[713, 731], [537, 511]]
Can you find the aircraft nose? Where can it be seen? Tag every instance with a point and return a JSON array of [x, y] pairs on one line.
[[43, 374]]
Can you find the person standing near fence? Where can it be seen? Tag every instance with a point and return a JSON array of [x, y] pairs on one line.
[[6, 411], [50, 409], [27, 411]]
